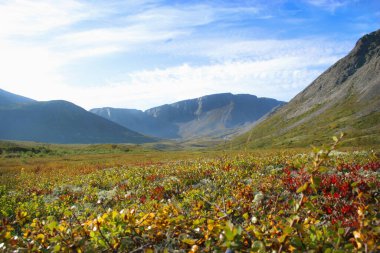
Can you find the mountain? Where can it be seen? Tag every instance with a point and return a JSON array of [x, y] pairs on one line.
[[346, 97], [138, 121], [59, 122], [215, 115], [8, 99]]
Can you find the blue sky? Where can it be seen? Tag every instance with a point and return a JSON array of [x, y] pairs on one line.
[[140, 54]]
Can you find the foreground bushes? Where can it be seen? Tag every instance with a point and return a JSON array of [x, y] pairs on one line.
[[323, 202]]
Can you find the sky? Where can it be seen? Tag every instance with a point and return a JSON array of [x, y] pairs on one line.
[[145, 53]]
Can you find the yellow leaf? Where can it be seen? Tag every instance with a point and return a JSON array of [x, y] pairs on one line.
[[282, 238], [303, 187], [189, 241], [357, 234], [8, 235], [40, 237], [26, 234], [291, 248]]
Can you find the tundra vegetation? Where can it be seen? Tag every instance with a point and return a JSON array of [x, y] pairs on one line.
[[319, 200]]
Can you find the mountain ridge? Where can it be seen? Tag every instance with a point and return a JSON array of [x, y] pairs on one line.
[[213, 115]]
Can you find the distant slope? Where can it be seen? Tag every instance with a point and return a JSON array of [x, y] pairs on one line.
[[61, 122], [215, 115], [10, 99], [346, 98], [138, 121]]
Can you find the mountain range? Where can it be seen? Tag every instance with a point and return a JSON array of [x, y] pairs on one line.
[[217, 115], [346, 97], [58, 122]]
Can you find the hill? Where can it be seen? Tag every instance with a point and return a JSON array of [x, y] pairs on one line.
[[61, 122], [346, 97], [217, 115]]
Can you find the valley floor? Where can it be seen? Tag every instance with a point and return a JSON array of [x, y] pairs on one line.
[[136, 200]]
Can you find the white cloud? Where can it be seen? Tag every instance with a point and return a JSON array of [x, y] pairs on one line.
[[32, 66], [280, 78], [271, 68]]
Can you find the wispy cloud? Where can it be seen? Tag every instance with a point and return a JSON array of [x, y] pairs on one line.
[[329, 5], [27, 18], [280, 77], [223, 49], [150, 27]]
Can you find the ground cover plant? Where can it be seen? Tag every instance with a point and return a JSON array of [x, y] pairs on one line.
[[319, 201]]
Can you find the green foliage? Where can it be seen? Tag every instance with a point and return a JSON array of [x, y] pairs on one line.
[[30, 149]]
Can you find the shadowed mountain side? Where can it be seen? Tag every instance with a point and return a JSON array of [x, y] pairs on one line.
[[346, 97], [213, 116], [10, 99], [62, 122]]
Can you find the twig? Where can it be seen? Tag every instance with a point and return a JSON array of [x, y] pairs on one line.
[[106, 240], [140, 248], [213, 204]]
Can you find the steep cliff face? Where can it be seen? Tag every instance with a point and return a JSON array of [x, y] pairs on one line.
[[140, 121], [215, 115], [346, 97]]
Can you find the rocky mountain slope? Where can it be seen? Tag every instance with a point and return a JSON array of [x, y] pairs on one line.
[[217, 115], [346, 97]]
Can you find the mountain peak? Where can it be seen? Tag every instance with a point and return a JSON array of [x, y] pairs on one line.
[[366, 48], [368, 42]]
